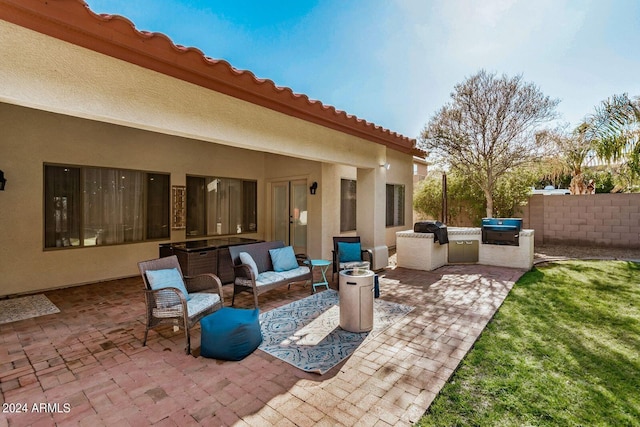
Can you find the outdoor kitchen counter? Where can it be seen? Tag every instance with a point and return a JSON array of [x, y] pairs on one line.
[[419, 252], [206, 256]]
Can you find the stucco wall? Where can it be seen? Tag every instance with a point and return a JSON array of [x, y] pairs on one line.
[[599, 219], [31, 138], [45, 73], [60, 103], [401, 172]]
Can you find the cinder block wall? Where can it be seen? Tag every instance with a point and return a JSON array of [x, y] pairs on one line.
[[599, 219]]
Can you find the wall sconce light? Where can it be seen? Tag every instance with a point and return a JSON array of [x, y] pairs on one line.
[[387, 166], [313, 187], [3, 181]]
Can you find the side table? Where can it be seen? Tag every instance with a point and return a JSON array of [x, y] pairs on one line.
[[324, 266]]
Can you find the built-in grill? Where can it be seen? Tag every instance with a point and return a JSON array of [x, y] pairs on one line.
[[438, 229], [501, 231]]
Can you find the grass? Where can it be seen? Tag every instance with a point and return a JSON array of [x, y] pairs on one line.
[[563, 350]]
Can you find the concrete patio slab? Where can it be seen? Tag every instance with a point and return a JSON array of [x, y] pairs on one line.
[[88, 366]]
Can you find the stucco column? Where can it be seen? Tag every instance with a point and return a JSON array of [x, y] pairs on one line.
[[371, 211]]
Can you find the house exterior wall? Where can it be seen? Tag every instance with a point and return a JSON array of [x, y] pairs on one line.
[[329, 190], [60, 103], [45, 73], [32, 138], [421, 169], [401, 172], [598, 219]]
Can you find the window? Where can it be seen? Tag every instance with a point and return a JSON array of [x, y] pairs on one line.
[[347, 205], [157, 206], [61, 207], [218, 206], [89, 206], [395, 205]]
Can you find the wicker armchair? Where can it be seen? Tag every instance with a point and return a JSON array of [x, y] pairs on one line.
[[169, 305]]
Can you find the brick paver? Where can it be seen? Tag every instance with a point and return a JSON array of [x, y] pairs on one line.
[[87, 366]]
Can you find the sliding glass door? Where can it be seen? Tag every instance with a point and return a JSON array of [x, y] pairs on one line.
[[289, 204]]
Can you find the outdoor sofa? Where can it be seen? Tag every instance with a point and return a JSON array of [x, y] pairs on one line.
[[261, 267]]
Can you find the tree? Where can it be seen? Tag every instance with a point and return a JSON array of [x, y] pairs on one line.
[[464, 207], [611, 133], [614, 130], [488, 129], [568, 155], [465, 202]]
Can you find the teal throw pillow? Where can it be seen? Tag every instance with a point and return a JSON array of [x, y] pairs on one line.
[[349, 252], [283, 259], [167, 278]]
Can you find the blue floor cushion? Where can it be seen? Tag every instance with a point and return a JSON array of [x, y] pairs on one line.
[[230, 333]]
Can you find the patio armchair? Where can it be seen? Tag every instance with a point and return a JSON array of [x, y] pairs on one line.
[[177, 300], [352, 255]]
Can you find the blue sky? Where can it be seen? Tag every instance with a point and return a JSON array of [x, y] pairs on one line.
[[395, 62]]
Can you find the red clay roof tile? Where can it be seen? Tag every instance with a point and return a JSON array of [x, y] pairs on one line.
[[114, 35]]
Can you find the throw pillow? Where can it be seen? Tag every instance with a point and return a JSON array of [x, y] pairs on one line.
[[246, 258], [168, 278], [349, 252], [283, 259]]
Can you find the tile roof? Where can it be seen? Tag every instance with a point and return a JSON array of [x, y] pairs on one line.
[[116, 36]]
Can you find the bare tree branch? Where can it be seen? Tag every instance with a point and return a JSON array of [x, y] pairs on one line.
[[489, 128]]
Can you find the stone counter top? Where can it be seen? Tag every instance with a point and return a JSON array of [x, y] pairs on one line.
[[419, 251], [455, 231]]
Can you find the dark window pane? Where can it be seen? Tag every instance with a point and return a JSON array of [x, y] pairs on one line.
[[389, 206], [250, 211], [235, 206], [400, 204], [395, 205], [347, 205], [196, 207], [157, 206], [61, 206]]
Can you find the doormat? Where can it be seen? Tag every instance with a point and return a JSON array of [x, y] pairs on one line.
[[27, 307], [307, 335]]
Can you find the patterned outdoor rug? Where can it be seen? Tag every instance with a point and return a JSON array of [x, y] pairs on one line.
[[306, 333], [14, 309]]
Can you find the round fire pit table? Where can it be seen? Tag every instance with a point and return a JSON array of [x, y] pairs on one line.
[[356, 300]]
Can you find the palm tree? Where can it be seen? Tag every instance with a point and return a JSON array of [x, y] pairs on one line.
[[614, 130], [611, 134], [571, 150]]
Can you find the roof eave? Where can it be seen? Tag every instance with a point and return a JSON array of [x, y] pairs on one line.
[[116, 36]]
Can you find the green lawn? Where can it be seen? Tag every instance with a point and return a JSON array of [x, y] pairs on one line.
[[563, 350]]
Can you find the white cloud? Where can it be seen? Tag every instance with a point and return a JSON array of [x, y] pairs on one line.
[[562, 46]]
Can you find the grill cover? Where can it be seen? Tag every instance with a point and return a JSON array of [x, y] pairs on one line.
[[438, 229]]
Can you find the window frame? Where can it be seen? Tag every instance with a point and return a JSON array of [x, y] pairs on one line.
[[348, 224], [205, 210], [400, 216], [81, 200]]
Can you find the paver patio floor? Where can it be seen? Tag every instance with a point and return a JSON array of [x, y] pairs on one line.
[[90, 357]]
